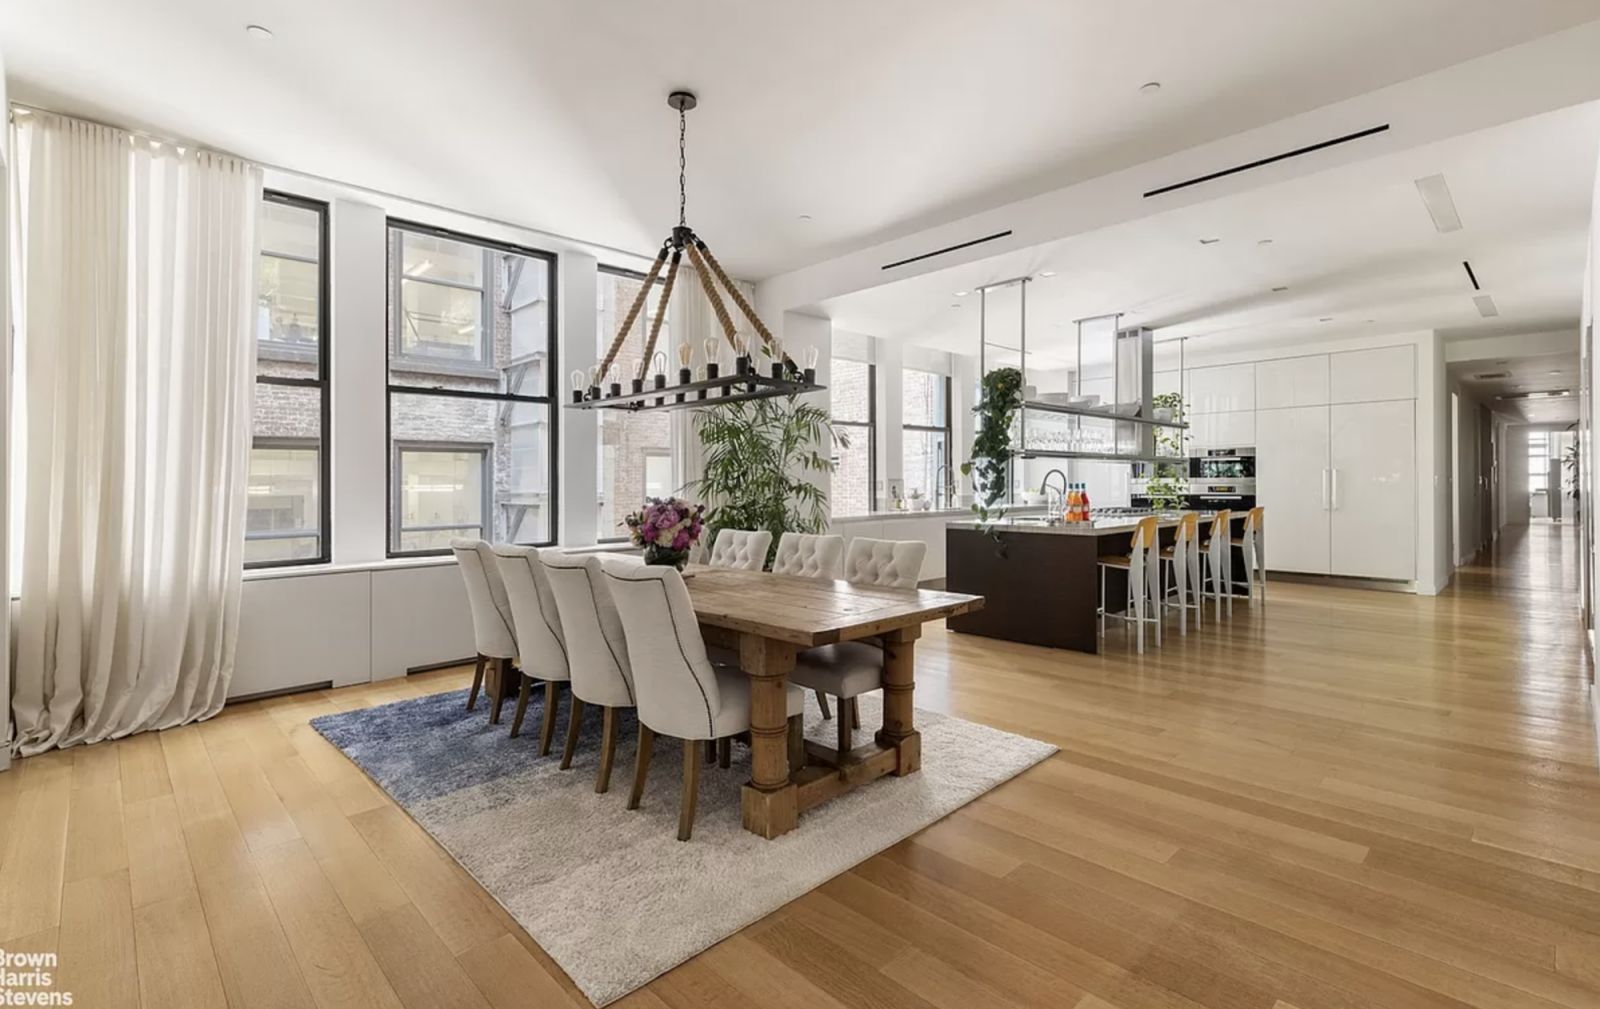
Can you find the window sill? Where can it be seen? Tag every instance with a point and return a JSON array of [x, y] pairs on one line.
[[311, 570]]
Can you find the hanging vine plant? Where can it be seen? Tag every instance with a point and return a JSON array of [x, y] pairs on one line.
[[992, 452]]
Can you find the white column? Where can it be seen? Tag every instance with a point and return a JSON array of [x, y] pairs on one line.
[[799, 332], [891, 444], [577, 456], [359, 439]]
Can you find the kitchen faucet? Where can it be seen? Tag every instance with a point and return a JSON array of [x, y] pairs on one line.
[[1045, 488]]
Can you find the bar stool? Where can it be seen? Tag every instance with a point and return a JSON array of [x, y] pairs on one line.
[[1144, 579], [1216, 561], [1252, 549], [1184, 558]]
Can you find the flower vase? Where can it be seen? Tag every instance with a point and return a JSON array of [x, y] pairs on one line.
[[666, 556]]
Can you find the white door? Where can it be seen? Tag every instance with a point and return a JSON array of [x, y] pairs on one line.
[[1294, 486], [1374, 489]]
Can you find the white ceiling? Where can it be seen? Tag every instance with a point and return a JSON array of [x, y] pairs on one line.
[[1353, 245], [873, 118]]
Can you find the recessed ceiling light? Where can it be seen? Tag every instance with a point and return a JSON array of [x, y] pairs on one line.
[[803, 217], [258, 31], [1264, 241], [1368, 322], [1149, 87], [961, 294], [1047, 273], [1326, 318], [955, 304], [1555, 371]]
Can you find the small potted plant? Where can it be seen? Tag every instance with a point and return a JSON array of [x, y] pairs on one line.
[[667, 528]]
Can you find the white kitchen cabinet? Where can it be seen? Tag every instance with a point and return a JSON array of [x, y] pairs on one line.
[[1224, 388], [1373, 491], [1163, 382], [1235, 429], [1370, 376], [1292, 484], [1292, 381]]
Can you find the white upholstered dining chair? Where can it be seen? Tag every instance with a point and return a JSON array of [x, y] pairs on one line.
[[852, 668], [597, 651], [892, 563], [680, 692], [492, 629], [740, 548], [805, 555], [541, 647]]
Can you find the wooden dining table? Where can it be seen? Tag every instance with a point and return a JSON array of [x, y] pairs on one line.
[[770, 619]]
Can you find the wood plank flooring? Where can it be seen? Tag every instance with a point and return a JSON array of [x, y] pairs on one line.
[[1351, 799]]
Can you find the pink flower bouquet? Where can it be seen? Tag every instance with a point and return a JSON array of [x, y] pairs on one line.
[[667, 528]]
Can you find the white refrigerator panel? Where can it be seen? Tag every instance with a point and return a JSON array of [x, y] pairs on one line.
[[1374, 489], [1294, 486]]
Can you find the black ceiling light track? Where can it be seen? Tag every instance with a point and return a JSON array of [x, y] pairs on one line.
[[1274, 159], [948, 248], [1471, 276]]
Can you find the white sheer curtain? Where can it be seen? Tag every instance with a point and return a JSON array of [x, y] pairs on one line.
[[135, 367]]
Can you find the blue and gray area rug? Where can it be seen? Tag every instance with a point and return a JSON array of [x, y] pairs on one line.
[[610, 894]]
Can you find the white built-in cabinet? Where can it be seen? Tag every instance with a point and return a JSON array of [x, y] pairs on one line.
[[1232, 429], [1226, 388], [1336, 463]]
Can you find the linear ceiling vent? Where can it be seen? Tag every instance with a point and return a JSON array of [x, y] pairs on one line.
[[1490, 376], [1441, 205], [948, 248], [1545, 394], [1274, 159], [1486, 306], [1471, 276]]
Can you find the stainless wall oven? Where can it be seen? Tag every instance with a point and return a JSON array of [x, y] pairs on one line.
[[1232, 464]]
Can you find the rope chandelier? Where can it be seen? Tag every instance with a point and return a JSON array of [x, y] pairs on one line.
[[787, 377]]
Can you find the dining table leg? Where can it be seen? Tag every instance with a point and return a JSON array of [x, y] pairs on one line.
[[899, 684], [769, 801]]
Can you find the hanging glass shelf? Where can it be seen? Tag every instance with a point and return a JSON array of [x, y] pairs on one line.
[[1046, 453], [1099, 413]]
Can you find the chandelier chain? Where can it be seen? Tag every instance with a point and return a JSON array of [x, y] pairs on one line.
[[683, 161]]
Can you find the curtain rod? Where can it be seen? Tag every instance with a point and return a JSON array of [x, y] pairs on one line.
[[330, 181]]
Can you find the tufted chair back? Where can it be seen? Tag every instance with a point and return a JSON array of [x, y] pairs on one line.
[[809, 556], [739, 548], [486, 594], [541, 648], [675, 681], [891, 563], [597, 648]]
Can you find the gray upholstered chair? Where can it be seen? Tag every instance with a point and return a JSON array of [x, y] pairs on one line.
[[680, 692], [541, 648], [805, 555], [597, 651], [492, 629], [852, 668], [739, 548]]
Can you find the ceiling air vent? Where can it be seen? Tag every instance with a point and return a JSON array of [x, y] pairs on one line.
[[1471, 276], [1441, 206], [1274, 159], [1490, 376], [1486, 306], [948, 248]]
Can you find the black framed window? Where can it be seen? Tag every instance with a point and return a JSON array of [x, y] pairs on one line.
[[635, 449], [471, 385], [925, 435], [287, 518], [852, 391]]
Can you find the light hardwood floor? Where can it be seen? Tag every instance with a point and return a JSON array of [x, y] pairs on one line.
[[1353, 799]]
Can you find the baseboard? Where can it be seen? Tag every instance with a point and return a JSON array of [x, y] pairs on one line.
[[1341, 581]]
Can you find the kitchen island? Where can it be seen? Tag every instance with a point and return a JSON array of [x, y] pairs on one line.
[[1042, 580]]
